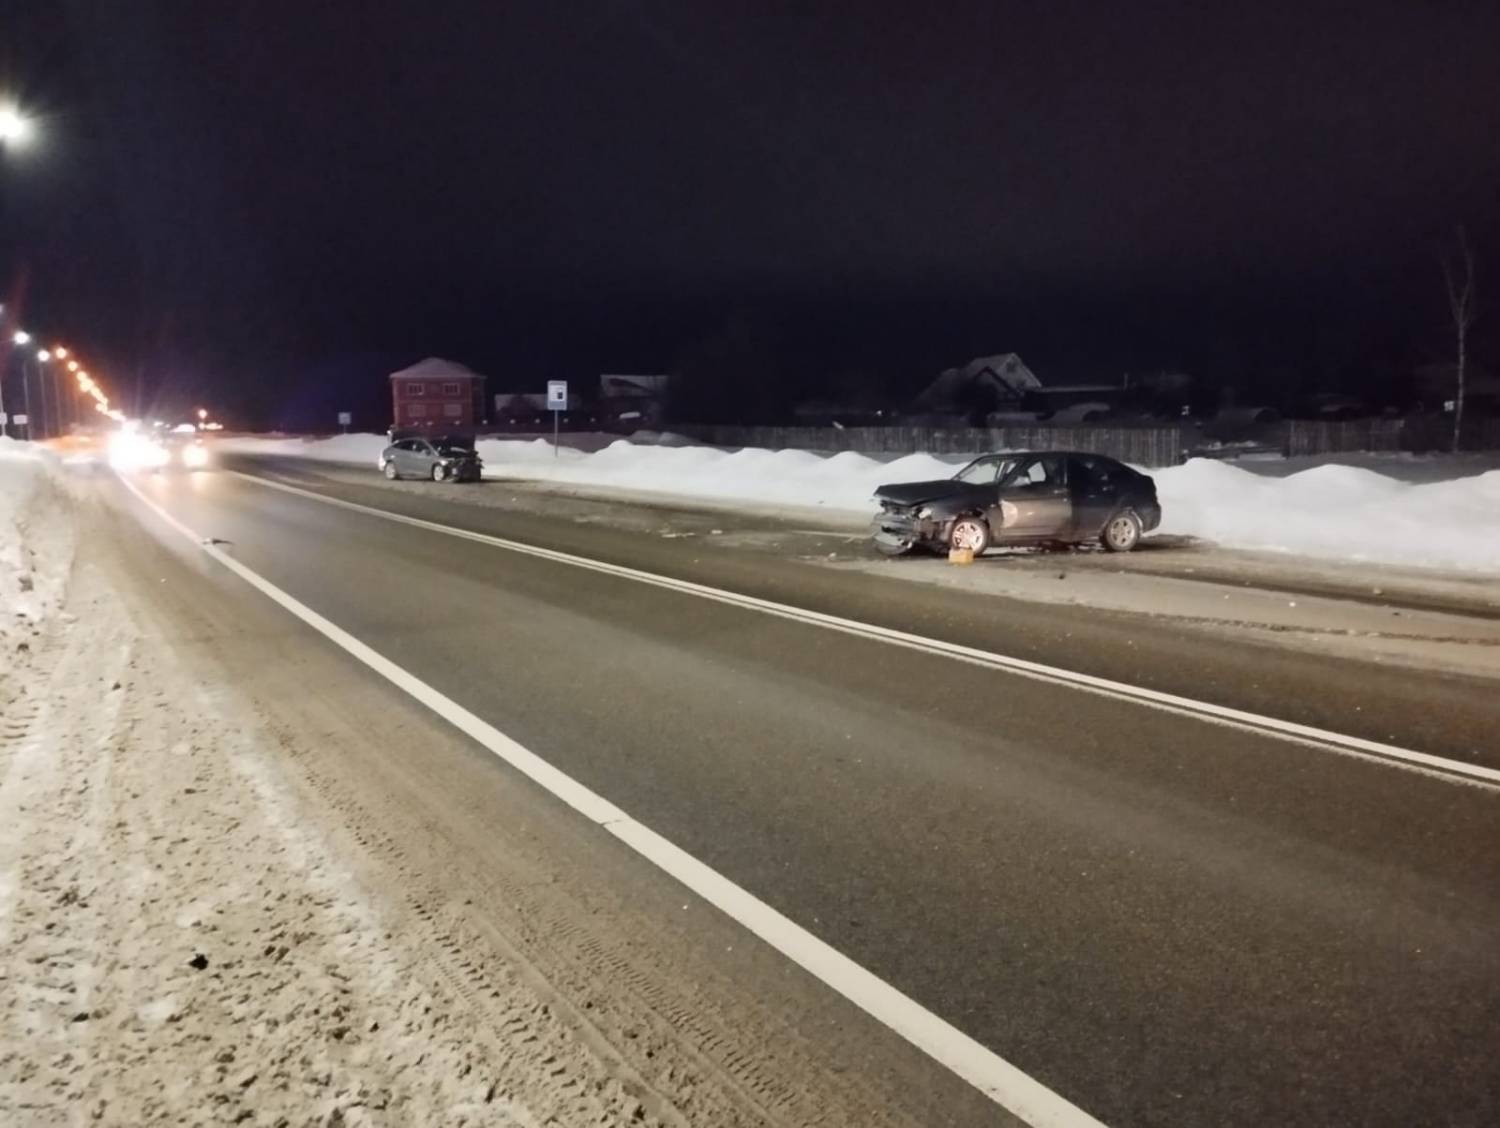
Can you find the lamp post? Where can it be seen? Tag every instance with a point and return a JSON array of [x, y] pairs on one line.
[[15, 131], [48, 417]]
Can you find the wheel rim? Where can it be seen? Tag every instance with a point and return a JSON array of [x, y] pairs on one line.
[[968, 535], [1122, 532], [437, 473], [390, 469]]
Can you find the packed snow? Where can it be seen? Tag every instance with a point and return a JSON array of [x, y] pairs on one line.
[[34, 551], [1330, 511]]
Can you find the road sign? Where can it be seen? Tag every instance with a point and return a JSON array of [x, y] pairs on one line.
[[22, 420], [345, 418], [557, 401]]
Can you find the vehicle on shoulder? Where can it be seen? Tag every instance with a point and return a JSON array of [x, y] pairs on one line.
[[1028, 498], [439, 458]]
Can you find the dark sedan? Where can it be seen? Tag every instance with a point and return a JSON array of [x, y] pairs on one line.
[[1028, 498]]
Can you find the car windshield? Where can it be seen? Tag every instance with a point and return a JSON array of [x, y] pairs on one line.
[[983, 471]]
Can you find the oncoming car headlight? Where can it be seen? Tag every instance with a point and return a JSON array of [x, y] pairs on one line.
[[194, 456], [129, 450]]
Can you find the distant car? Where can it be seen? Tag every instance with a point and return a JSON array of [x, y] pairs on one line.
[[185, 449], [1029, 498], [442, 458]]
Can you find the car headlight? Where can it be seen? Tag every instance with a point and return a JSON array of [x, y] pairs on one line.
[[194, 457], [924, 513]]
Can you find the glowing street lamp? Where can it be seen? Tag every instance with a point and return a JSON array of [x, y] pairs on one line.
[[72, 364], [43, 355], [21, 337], [59, 351], [14, 129]]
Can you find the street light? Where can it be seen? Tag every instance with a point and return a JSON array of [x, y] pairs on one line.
[[14, 129], [59, 351], [43, 355], [21, 337]]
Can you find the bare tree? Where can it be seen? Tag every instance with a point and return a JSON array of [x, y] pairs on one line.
[[1458, 273]]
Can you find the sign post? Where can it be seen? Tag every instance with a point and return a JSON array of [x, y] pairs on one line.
[[345, 418], [557, 402], [22, 420]]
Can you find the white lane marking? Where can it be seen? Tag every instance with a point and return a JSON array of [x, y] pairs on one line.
[[1440, 767], [1005, 1084]]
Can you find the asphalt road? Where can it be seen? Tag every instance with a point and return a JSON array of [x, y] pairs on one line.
[[1165, 921]]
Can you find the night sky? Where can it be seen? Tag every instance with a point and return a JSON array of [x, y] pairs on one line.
[[267, 205]]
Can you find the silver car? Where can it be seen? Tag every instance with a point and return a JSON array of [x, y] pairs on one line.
[[442, 458]]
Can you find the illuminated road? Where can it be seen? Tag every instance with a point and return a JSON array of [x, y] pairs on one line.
[[1160, 918]]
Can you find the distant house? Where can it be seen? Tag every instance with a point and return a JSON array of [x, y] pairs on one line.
[[1001, 389], [972, 391], [1438, 385], [437, 395], [632, 401]]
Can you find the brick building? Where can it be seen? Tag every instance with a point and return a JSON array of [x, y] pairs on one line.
[[437, 395]]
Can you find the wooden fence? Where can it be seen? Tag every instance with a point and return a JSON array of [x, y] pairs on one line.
[[1143, 446], [1140, 445]]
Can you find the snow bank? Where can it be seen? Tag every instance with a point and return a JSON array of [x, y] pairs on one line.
[[1332, 511], [35, 544], [1341, 512]]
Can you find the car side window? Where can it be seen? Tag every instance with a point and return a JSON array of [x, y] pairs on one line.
[[1039, 473], [1088, 473], [982, 472]]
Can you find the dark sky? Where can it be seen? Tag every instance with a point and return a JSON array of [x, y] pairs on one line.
[[248, 200]]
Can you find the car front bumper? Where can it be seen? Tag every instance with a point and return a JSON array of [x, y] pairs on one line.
[[902, 530], [464, 471]]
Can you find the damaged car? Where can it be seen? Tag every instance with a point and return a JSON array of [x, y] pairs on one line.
[[442, 458], [1020, 499]]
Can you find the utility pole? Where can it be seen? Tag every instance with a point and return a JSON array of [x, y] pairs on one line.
[[1459, 278]]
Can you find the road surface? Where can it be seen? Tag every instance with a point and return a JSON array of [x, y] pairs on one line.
[[1161, 919]]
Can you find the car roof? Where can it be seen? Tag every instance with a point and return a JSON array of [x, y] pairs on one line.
[[1051, 453]]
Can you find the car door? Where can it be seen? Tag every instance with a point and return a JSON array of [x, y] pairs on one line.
[[422, 458], [1095, 489], [1034, 501], [401, 456]]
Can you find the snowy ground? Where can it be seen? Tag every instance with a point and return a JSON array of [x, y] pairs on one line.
[[182, 939], [34, 552], [1332, 511]]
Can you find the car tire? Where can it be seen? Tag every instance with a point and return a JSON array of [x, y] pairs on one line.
[[1122, 532], [438, 473], [971, 533], [389, 469]]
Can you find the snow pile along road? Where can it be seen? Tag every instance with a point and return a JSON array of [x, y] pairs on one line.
[[1331, 511], [35, 545]]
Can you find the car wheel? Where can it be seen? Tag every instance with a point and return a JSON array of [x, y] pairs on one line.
[[1123, 532], [390, 470], [971, 534], [438, 473]]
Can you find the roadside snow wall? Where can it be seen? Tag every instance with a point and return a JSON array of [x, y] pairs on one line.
[[1331, 511], [36, 544]]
